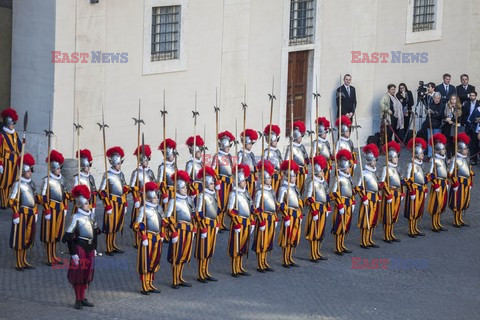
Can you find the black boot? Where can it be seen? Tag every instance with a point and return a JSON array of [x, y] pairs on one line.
[[86, 303], [78, 304]]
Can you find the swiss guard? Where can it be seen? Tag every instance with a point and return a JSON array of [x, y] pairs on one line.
[[86, 178], [272, 153], [194, 165], [322, 146], [167, 169], [345, 142], [246, 156], [299, 155]]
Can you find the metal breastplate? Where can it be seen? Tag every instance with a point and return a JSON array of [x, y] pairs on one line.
[[85, 226], [244, 203], [441, 169], [418, 175], [371, 182], [394, 177], [115, 183], [170, 170], [342, 144], [211, 205], [153, 219], [324, 149], [297, 155], [149, 176], [224, 165], [83, 181], [248, 159], [275, 158], [269, 200], [195, 167], [56, 189], [463, 168], [346, 189], [27, 194], [292, 194], [183, 210], [320, 192]]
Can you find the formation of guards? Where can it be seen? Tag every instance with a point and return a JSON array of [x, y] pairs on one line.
[[185, 209]]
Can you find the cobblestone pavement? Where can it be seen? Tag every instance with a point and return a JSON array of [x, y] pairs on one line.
[[434, 277]]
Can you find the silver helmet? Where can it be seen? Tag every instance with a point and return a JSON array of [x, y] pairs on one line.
[[80, 201], [322, 129], [9, 116], [115, 159], [81, 193], [371, 153], [151, 191], [242, 171], [84, 163], [182, 179], [343, 159], [225, 140], [462, 142]]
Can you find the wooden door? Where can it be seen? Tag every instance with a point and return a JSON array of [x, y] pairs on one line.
[[297, 84]]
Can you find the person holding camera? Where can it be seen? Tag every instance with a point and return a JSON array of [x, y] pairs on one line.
[[453, 109], [405, 97], [391, 109], [471, 120], [435, 117]]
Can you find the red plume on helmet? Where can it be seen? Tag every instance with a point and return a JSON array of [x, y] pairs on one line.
[[267, 166], [226, 134], [274, 128], [293, 165], [344, 153], [116, 149], [151, 186], [252, 134], [181, 175], [198, 141], [55, 156], [371, 148], [148, 151], [321, 161], [170, 144], [324, 122], [244, 168], [85, 153], [300, 125], [10, 113], [27, 160], [392, 145], [81, 190], [463, 137], [420, 141], [208, 171], [345, 120], [438, 137]]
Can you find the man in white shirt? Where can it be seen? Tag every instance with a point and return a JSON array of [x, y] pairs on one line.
[[471, 120]]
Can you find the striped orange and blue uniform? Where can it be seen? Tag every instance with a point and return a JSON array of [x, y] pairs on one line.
[[205, 247], [180, 252], [368, 216], [113, 222], [148, 257], [389, 212], [238, 242], [315, 230], [341, 222], [22, 235], [460, 200], [414, 208], [10, 149], [437, 201]]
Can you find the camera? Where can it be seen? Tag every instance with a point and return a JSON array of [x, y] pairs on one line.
[[421, 90]]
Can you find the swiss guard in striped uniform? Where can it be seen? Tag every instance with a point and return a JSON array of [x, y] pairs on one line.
[[318, 201], [10, 149], [166, 170], [300, 155], [417, 187], [343, 196], [391, 184], [150, 229], [114, 196], [246, 156], [22, 236], [136, 184], [462, 181], [272, 153], [291, 206], [345, 142], [194, 165], [240, 209], [179, 213], [438, 175], [55, 203], [265, 216], [81, 236], [86, 178], [370, 197], [322, 146], [223, 164], [208, 223]]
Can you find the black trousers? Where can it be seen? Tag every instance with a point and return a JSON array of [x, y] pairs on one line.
[[473, 146]]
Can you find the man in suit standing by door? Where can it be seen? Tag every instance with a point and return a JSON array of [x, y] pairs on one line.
[[445, 88], [464, 89], [348, 95], [470, 114]]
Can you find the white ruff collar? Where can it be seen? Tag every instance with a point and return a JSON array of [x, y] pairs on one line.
[[8, 130], [344, 174], [417, 161], [55, 177], [368, 168], [85, 213]]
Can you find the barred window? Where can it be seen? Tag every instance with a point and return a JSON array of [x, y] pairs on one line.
[[165, 33], [302, 13], [423, 15]]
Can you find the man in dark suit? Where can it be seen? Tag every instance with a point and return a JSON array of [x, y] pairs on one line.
[[471, 119], [464, 89], [445, 88], [348, 96]]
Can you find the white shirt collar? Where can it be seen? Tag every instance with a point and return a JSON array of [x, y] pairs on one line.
[[417, 161], [246, 151], [83, 174], [8, 130], [344, 174], [151, 205], [223, 152], [322, 140], [209, 191], [271, 148], [344, 139], [85, 213], [239, 189], [179, 196], [318, 179], [392, 165], [112, 170], [461, 155], [265, 187], [296, 144], [55, 177], [439, 156], [368, 168], [26, 180]]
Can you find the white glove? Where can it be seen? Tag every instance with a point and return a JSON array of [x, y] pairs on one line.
[[328, 212], [1, 169], [365, 203], [165, 200], [16, 220], [95, 252], [65, 212], [237, 230], [412, 197], [125, 210], [109, 211], [341, 211], [251, 229], [75, 259], [203, 235], [216, 230], [315, 218], [389, 200], [48, 216], [276, 224], [455, 189], [145, 242], [175, 240], [401, 198], [137, 204], [262, 228], [217, 187], [36, 217], [287, 223], [353, 208]]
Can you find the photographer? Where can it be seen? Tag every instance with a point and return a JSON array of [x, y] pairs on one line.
[[405, 97], [435, 114], [391, 109]]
